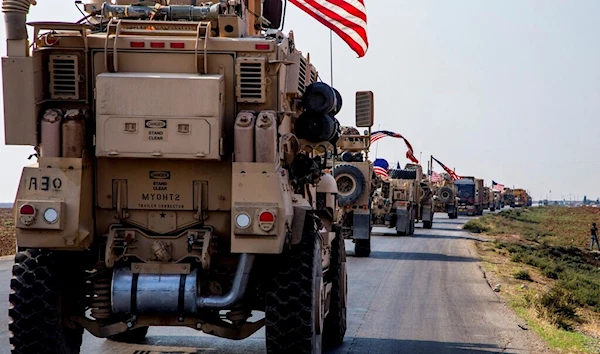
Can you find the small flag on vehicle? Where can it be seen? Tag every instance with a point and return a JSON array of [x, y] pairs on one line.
[[452, 174], [497, 186], [381, 167], [435, 177], [385, 133]]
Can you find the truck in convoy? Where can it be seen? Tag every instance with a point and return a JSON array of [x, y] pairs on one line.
[[356, 182], [470, 195], [520, 198], [404, 199], [179, 177], [445, 198], [509, 197]]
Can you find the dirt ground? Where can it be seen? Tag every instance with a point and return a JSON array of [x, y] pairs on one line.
[[7, 232]]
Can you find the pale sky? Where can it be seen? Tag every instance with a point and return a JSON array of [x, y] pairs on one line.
[[504, 90]]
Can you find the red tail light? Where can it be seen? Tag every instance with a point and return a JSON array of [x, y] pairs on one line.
[[177, 45], [262, 47], [27, 209], [157, 44], [266, 216], [137, 44]]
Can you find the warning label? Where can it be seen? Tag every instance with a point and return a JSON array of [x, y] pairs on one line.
[[156, 130]]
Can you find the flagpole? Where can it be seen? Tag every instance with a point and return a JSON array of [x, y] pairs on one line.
[[331, 55]]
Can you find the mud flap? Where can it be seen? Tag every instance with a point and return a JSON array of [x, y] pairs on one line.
[[362, 225], [402, 220], [427, 213], [451, 209]]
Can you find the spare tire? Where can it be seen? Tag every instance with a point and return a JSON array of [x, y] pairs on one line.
[[319, 98], [338, 103], [446, 194], [351, 184]]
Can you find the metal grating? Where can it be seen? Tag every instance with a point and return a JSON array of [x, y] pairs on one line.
[[314, 75], [64, 77], [250, 74], [364, 109], [302, 76]]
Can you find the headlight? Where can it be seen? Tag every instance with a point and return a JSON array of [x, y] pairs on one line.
[[50, 215], [242, 220]]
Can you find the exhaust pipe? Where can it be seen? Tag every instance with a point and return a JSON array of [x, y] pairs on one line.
[[15, 18]]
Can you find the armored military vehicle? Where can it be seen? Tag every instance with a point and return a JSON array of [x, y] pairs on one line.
[[445, 198], [404, 199], [356, 182], [470, 195], [520, 196], [179, 177]]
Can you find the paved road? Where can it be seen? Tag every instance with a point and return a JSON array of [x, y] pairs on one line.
[[419, 294]]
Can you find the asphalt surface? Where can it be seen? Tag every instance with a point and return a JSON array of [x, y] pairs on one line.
[[424, 293]]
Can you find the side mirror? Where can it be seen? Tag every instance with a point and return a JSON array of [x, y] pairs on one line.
[[272, 10], [364, 109]]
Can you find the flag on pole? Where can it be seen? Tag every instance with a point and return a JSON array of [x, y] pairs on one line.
[[435, 177], [497, 186], [384, 133], [452, 174], [381, 167], [347, 18]]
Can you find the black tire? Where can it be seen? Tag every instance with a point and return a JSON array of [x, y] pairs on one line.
[[42, 294], [351, 184], [334, 327], [427, 224], [362, 248], [446, 194], [319, 98], [273, 11], [338, 102], [136, 335], [291, 299]]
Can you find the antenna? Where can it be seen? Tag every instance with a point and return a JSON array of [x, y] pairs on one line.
[[331, 55]]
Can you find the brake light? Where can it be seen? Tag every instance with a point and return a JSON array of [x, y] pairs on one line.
[[266, 216], [262, 47], [266, 220], [27, 209], [157, 44], [137, 44], [177, 45]]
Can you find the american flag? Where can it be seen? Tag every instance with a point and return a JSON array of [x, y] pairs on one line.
[[452, 174], [383, 133], [347, 18], [381, 167], [497, 186], [435, 177]]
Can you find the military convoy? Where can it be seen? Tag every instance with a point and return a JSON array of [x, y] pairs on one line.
[[356, 182], [180, 177]]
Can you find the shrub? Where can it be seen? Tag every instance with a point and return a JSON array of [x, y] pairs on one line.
[[558, 307], [523, 275]]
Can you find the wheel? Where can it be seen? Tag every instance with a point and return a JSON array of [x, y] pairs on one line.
[[427, 224], [362, 248], [334, 327], [43, 294], [272, 11], [351, 184], [446, 194], [294, 309], [136, 335]]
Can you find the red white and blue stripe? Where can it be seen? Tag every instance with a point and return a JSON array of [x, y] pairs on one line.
[[385, 133]]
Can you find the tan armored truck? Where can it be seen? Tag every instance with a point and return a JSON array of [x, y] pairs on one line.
[[445, 197], [179, 177], [404, 199], [356, 182]]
